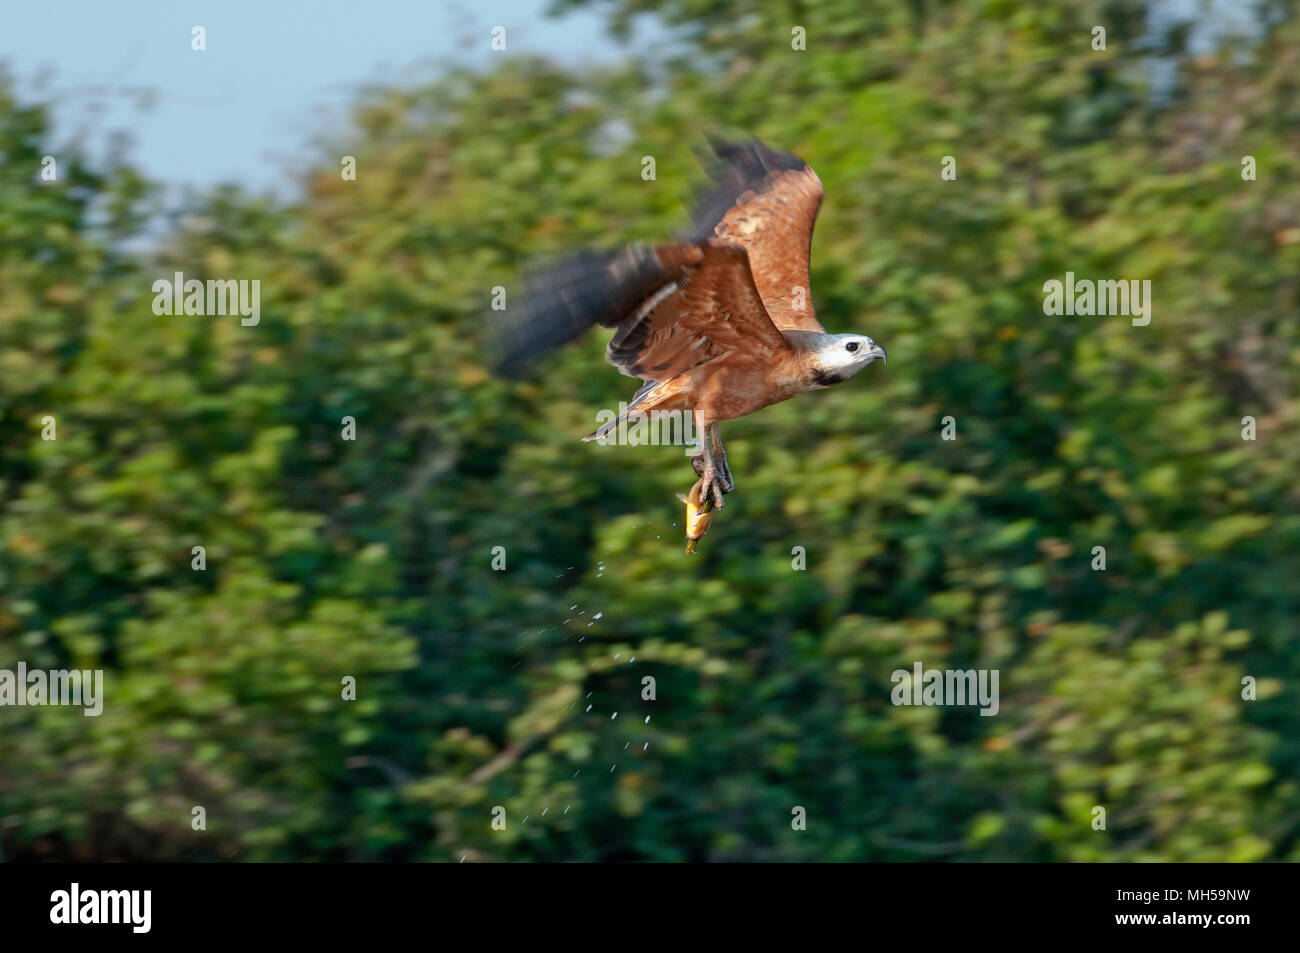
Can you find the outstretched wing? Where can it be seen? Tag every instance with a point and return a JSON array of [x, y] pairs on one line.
[[710, 309], [766, 202], [675, 307]]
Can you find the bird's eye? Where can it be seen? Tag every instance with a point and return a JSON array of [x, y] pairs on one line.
[[851, 346]]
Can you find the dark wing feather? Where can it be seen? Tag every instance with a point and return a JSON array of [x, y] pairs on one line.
[[559, 303], [766, 202]]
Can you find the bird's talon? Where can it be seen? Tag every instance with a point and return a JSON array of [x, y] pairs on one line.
[[711, 488]]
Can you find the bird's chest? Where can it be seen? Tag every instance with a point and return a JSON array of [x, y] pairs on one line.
[[737, 390]]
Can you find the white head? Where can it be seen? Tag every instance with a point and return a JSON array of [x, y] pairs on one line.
[[837, 357]]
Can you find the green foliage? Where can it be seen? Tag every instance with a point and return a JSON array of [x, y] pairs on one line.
[[330, 558]]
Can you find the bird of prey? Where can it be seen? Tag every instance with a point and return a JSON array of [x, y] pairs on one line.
[[719, 324]]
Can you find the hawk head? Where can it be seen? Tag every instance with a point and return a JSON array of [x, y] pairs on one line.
[[837, 357]]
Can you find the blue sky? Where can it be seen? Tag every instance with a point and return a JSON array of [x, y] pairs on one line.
[[274, 71], [277, 71]]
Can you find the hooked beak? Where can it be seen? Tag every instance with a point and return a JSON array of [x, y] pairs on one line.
[[877, 351]]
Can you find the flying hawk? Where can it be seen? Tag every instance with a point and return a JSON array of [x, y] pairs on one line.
[[720, 324]]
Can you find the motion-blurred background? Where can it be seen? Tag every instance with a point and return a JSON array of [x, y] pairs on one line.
[[523, 688]]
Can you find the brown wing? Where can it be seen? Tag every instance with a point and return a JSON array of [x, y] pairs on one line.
[[766, 202], [711, 308]]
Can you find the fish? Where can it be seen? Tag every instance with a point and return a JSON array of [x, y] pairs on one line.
[[698, 515]]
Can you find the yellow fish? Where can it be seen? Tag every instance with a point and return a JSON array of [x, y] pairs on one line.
[[698, 516]]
